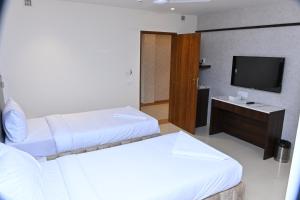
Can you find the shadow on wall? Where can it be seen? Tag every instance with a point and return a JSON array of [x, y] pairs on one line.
[[2, 3]]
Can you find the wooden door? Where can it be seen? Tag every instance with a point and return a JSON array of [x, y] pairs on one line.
[[184, 80]]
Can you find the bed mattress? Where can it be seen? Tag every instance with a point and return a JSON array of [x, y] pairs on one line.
[[62, 133], [170, 167]]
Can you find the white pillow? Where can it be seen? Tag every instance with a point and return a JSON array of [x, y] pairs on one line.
[[20, 175], [14, 122]]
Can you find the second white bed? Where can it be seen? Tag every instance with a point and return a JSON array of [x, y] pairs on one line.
[[170, 167], [62, 133]]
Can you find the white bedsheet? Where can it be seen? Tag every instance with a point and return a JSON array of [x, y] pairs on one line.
[[82, 130], [185, 147], [39, 142], [146, 170], [54, 185], [60, 133]]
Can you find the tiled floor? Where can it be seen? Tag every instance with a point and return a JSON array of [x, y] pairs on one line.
[[264, 179], [168, 128], [159, 112]]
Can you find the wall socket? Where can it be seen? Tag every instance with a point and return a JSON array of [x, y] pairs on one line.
[[27, 3]]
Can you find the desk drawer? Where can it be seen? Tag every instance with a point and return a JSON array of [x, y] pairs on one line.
[[246, 112]]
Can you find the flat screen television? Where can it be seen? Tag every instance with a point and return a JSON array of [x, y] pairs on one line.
[[261, 73]]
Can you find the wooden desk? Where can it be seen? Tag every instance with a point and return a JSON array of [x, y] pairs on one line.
[[257, 124]]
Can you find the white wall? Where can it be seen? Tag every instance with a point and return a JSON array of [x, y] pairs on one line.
[[156, 67], [163, 67], [148, 68], [219, 47], [285, 12], [61, 57]]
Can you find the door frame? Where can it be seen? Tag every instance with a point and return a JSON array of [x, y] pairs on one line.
[[173, 35]]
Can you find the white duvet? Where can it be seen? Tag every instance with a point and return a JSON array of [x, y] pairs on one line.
[[146, 170], [61, 133]]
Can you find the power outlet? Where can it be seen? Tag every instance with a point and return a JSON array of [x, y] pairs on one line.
[[27, 2]]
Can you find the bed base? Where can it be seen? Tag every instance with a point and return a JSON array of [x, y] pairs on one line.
[[104, 146], [235, 193]]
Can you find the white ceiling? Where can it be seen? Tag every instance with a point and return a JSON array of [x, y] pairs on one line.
[[182, 8]]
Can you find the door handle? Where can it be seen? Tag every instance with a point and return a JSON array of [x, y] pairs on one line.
[[196, 80]]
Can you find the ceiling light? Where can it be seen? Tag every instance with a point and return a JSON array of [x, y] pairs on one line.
[[160, 1], [172, 9]]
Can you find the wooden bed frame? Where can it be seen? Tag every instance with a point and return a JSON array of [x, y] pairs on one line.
[[235, 193], [104, 146]]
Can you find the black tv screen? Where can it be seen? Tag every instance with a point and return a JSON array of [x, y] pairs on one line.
[[262, 73]]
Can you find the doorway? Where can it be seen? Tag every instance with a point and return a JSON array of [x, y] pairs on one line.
[[168, 90], [156, 50]]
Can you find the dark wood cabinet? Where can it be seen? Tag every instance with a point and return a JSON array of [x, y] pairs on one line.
[[259, 125], [202, 107]]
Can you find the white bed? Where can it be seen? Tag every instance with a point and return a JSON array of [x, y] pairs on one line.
[[170, 167], [56, 134]]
